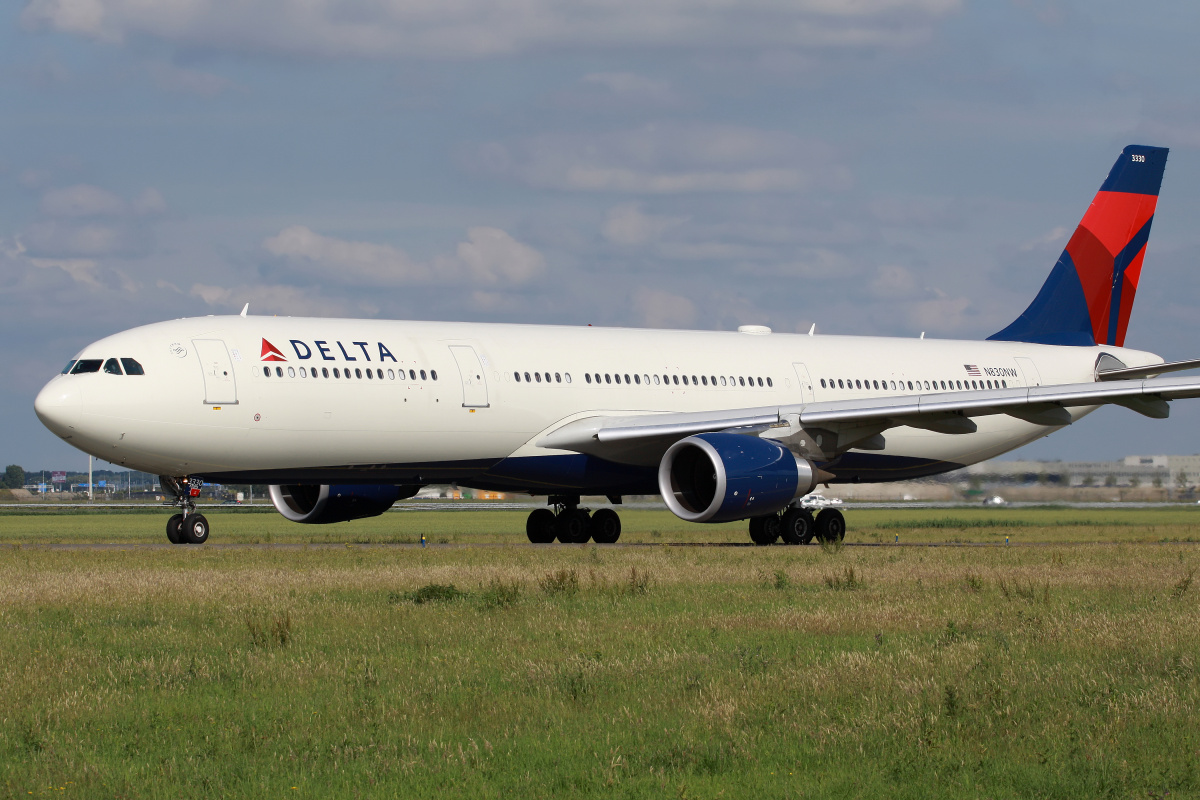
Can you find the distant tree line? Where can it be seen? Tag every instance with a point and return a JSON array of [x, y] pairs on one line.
[[14, 477]]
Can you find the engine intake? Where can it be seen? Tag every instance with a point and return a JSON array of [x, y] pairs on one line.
[[319, 505], [721, 477]]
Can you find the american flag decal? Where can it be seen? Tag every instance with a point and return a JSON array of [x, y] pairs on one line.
[[972, 370]]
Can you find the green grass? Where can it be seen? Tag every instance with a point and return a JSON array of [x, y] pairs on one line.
[[873, 525], [576, 671]]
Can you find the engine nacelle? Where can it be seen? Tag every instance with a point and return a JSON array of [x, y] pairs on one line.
[[721, 477], [319, 505]]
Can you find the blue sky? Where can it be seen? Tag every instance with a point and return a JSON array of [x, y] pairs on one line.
[[874, 166]]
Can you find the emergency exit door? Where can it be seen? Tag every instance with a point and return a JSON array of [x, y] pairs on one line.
[[470, 370], [220, 389]]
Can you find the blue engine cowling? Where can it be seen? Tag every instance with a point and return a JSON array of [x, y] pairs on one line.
[[720, 477], [319, 505]]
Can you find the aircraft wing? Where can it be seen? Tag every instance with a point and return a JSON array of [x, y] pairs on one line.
[[841, 424]]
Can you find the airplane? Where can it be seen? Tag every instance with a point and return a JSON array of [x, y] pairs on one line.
[[344, 417]]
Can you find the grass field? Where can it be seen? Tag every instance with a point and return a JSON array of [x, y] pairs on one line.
[[1064, 670]]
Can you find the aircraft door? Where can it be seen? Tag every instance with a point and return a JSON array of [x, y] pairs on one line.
[[805, 383], [220, 389], [1029, 370], [470, 370]]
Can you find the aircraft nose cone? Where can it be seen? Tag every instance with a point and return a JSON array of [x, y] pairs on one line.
[[59, 406]]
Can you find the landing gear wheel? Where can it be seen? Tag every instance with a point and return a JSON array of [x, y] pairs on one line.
[[764, 530], [605, 526], [831, 526], [174, 535], [540, 526], [571, 526], [194, 529], [797, 526]]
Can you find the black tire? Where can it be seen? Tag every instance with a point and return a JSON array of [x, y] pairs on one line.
[[764, 530], [174, 535], [831, 526], [194, 529], [539, 527], [571, 527], [797, 526], [605, 526]]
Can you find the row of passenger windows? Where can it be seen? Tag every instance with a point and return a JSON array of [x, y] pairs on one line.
[[325, 372], [676, 380], [113, 366], [948, 386], [559, 377]]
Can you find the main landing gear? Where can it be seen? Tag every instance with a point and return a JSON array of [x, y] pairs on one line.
[[188, 526], [798, 526], [570, 524]]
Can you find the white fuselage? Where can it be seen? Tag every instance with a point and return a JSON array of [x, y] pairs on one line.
[[208, 404]]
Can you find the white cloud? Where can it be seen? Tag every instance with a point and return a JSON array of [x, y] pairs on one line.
[[669, 159], [81, 200], [489, 256], [894, 282], [627, 224], [632, 87], [171, 78], [276, 299], [661, 309], [475, 28]]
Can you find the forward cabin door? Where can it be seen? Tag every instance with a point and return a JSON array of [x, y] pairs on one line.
[[220, 389], [470, 370], [806, 388]]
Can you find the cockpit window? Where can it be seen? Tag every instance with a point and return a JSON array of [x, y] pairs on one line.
[[112, 367], [86, 365], [67, 368], [132, 367]]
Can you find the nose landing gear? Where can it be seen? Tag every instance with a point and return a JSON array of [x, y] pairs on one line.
[[571, 524], [186, 527]]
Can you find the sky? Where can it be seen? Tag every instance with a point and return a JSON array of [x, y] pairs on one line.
[[876, 167]]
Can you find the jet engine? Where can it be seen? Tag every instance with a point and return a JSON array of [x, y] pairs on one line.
[[720, 477], [323, 504]]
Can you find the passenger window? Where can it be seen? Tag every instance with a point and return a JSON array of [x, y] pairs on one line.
[[685, 380], [517, 377], [336, 374], [422, 374], [607, 377], [1004, 384], [291, 372], [67, 368], [876, 384], [391, 375], [412, 374], [637, 379], [279, 371], [626, 377], [858, 384], [86, 365], [704, 379], [567, 375], [675, 379], [112, 367], [132, 367], [771, 384], [656, 380], [646, 379], [324, 372], [369, 375], [538, 376], [823, 383], [760, 383], [587, 376], [303, 372], [433, 374], [266, 372], [617, 379], [557, 378]]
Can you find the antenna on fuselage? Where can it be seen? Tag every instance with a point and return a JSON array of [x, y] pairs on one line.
[[813, 329], [922, 332], [245, 308]]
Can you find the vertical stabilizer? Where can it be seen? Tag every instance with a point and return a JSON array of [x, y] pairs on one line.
[[1089, 294]]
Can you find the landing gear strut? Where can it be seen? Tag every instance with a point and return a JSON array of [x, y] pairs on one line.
[[797, 526], [186, 527], [571, 524]]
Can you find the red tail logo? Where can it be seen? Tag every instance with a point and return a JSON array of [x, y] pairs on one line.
[[270, 352]]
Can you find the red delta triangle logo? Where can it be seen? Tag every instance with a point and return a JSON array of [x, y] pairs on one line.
[[270, 352]]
